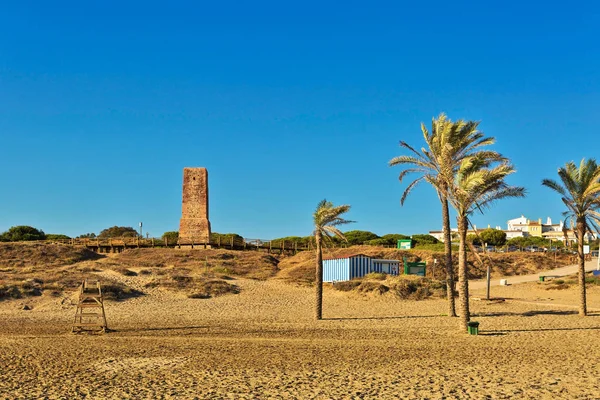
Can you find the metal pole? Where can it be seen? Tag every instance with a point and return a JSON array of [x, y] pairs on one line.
[[487, 293], [489, 268]]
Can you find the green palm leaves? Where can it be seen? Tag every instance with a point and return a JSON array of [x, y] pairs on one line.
[[447, 146], [327, 218], [456, 163], [580, 192], [477, 185]]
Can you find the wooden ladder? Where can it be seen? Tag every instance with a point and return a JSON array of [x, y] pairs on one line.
[[90, 316]]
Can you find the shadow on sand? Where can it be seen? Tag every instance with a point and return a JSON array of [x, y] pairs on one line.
[[504, 331], [532, 313], [170, 328], [378, 318]]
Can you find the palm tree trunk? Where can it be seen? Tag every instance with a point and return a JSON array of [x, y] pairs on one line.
[[319, 278], [582, 297], [448, 254], [463, 282]]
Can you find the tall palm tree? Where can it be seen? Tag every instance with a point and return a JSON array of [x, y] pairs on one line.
[[327, 218], [477, 185], [447, 146], [580, 192]]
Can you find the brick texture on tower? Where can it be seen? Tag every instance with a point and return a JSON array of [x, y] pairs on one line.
[[194, 224]]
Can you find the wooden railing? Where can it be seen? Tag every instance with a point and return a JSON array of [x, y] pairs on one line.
[[234, 243]]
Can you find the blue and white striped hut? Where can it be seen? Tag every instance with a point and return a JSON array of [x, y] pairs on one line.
[[356, 266]]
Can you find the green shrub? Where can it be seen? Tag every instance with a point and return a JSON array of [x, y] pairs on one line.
[[593, 280], [357, 237], [472, 238], [493, 237], [226, 238], [170, 237], [302, 241], [377, 242], [118, 231], [57, 236], [424, 239], [22, 233], [392, 238]]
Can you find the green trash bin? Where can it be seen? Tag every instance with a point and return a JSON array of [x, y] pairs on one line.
[[473, 328], [542, 278]]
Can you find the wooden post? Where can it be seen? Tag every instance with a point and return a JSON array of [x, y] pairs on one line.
[[232, 242]]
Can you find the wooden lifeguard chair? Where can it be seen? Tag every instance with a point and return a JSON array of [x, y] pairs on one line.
[[90, 316]]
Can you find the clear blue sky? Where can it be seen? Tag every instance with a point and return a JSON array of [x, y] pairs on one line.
[[102, 104]]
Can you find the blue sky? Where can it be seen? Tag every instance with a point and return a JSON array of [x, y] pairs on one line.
[[102, 105]]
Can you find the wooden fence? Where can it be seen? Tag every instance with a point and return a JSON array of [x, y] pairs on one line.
[[108, 245]]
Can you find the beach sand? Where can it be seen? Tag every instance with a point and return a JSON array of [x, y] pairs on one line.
[[264, 344]]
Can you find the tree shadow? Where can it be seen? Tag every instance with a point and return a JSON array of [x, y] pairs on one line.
[[525, 314], [170, 328], [378, 318], [504, 331]]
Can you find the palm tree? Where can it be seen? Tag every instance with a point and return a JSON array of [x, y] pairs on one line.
[[326, 219], [477, 186], [580, 192], [447, 146]]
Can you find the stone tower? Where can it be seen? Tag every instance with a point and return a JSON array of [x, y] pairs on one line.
[[194, 224]]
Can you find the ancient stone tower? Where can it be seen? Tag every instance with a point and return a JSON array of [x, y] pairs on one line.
[[194, 225]]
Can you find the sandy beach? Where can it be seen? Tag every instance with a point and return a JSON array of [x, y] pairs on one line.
[[263, 343]]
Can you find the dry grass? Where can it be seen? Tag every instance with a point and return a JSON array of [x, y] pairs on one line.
[[247, 264], [401, 287], [37, 254], [213, 288], [117, 291], [34, 269], [300, 268]]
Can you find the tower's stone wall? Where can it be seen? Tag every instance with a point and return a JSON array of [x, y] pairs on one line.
[[194, 224]]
